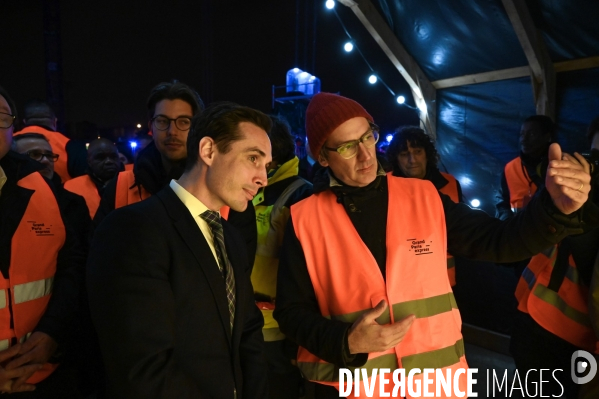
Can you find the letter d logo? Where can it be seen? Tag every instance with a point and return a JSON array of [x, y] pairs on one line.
[[577, 368]]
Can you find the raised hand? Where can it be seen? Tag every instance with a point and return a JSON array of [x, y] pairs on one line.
[[568, 179]]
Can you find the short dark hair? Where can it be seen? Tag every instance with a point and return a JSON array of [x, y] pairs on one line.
[[417, 138], [36, 108], [174, 90], [24, 136], [593, 129], [281, 140], [11, 103], [220, 121], [545, 123]]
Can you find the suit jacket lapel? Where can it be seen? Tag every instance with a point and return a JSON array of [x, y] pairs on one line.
[[196, 242]]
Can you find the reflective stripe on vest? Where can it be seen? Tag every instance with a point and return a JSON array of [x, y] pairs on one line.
[[33, 290], [347, 280], [529, 275], [563, 313], [31, 272], [519, 184], [439, 358], [85, 187], [127, 192]]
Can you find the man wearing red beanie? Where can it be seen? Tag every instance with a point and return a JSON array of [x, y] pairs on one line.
[[362, 276]]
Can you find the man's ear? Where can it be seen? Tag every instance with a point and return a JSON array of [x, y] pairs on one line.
[[323, 161], [207, 150]]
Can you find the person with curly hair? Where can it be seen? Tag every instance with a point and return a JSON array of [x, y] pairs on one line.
[[413, 154]]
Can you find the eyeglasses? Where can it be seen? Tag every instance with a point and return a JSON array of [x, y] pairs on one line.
[[6, 120], [37, 155], [161, 122], [350, 149]]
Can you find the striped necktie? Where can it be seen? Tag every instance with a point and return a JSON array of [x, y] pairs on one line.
[[213, 220]]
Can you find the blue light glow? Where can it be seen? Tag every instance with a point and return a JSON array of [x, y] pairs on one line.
[[133, 144], [330, 4], [372, 79], [401, 99], [348, 47], [389, 137], [475, 203]]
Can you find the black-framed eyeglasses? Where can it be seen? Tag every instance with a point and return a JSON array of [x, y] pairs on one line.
[[350, 149], [162, 122], [6, 120], [37, 155]]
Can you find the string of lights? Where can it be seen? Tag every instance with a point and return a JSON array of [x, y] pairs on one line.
[[420, 109], [352, 45]]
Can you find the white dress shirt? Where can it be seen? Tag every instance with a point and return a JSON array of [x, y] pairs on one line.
[[196, 208]]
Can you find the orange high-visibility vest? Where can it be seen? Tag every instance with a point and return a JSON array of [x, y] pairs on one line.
[[85, 187], [519, 183], [25, 294], [451, 189], [563, 313], [347, 280], [127, 192], [58, 142]]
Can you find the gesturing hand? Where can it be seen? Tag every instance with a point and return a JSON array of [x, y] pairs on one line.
[[568, 179], [9, 377], [36, 350], [367, 336]]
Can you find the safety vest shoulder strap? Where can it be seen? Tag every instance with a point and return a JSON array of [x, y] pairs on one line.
[[284, 197], [451, 188], [519, 183], [127, 192], [85, 187]]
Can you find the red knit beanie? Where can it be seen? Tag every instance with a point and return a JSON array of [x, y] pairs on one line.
[[325, 113]]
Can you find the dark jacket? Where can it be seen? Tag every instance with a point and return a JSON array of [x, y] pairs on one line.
[[151, 174], [470, 233], [159, 305], [57, 321]]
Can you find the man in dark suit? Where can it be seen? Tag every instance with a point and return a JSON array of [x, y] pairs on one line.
[[174, 310]]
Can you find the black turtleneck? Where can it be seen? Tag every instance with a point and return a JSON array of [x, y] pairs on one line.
[[367, 210]]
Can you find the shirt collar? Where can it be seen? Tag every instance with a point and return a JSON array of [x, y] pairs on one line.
[[195, 206]]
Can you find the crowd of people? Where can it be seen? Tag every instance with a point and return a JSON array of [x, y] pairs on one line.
[[220, 265]]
